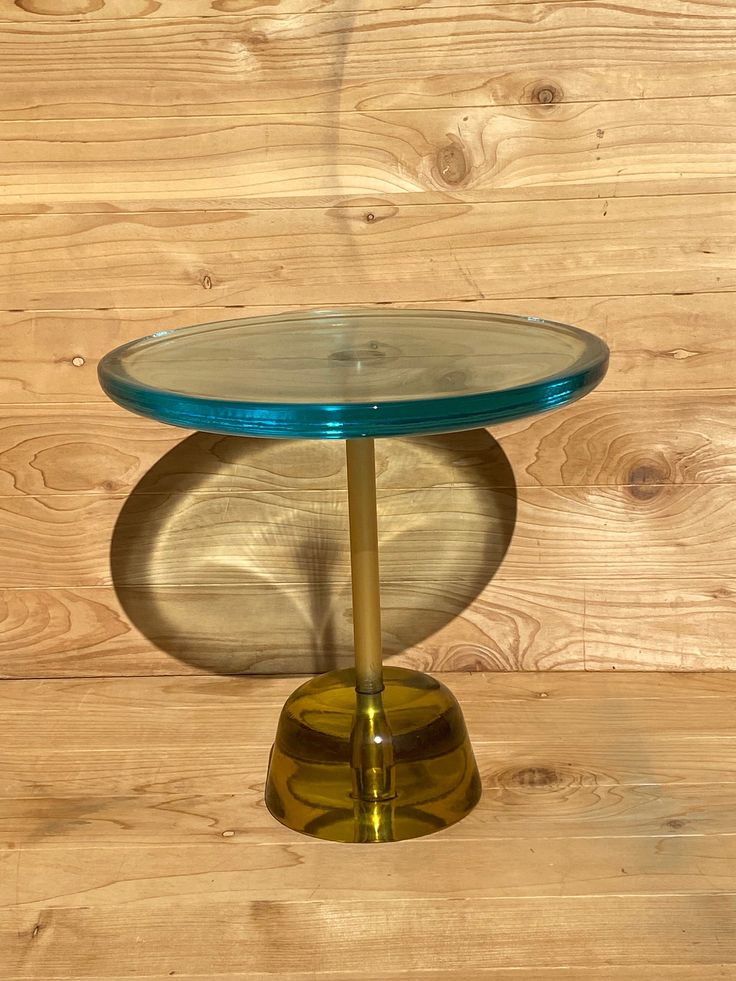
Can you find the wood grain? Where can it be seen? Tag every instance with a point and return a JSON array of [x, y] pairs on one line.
[[338, 60], [172, 163], [173, 630], [83, 11], [603, 440], [170, 630], [608, 149], [637, 972], [149, 878], [589, 533], [118, 713], [422, 252], [524, 686], [658, 343], [605, 822], [336, 934], [216, 771], [566, 809]]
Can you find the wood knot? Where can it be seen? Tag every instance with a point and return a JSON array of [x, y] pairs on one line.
[[645, 480], [682, 354], [675, 824], [536, 776], [256, 39], [452, 164], [546, 93]]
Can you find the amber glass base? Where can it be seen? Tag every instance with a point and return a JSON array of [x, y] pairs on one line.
[[365, 768]]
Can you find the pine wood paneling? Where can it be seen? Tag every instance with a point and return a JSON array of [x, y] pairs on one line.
[[410, 252], [117, 713], [86, 631], [153, 876], [423, 57], [225, 158], [163, 164], [588, 533], [603, 440], [682, 929], [639, 972], [637, 625], [131, 814], [184, 772], [658, 343], [610, 147], [84, 11]]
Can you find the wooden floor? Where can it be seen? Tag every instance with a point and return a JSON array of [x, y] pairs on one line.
[[135, 841]]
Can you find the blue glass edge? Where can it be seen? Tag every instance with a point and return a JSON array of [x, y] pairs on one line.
[[354, 420]]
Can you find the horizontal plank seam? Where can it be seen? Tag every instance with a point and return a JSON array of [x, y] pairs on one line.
[[228, 842], [244, 843], [368, 113], [388, 304], [389, 197], [411, 300], [590, 578], [402, 900], [41, 904], [716, 738], [317, 491]]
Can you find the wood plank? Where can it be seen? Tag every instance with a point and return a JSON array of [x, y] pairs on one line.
[[563, 810], [201, 711], [427, 253], [588, 534], [603, 440], [171, 630], [599, 189], [637, 972], [84, 11], [428, 56], [513, 687], [605, 149], [307, 628], [159, 876], [518, 691], [571, 931], [689, 341], [205, 771]]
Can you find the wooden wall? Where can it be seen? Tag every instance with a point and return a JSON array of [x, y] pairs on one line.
[[167, 163]]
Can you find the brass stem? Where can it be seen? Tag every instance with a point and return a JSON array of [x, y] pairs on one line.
[[364, 565]]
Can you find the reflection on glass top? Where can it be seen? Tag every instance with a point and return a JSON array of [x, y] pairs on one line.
[[354, 372]]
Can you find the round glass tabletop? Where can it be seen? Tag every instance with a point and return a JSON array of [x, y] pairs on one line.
[[345, 373]]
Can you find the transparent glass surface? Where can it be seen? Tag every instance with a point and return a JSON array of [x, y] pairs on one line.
[[344, 373]]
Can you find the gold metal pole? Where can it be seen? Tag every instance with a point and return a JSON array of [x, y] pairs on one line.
[[364, 565]]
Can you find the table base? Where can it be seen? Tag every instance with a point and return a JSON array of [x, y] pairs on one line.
[[384, 766]]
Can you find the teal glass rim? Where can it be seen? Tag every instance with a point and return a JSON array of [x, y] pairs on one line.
[[328, 419]]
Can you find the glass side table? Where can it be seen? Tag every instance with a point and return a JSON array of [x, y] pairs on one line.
[[371, 753]]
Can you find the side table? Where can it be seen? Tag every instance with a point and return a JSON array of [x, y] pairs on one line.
[[370, 753]]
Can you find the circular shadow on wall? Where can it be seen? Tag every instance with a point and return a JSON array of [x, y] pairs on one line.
[[232, 554]]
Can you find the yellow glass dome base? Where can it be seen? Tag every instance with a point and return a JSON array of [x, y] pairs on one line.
[[385, 766]]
